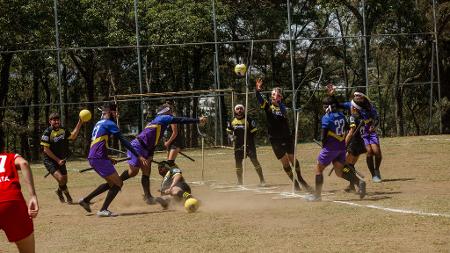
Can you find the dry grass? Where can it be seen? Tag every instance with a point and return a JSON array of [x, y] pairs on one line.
[[417, 178]]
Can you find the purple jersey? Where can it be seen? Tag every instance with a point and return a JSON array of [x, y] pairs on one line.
[[100, 135], [335, 123], [152, 133]]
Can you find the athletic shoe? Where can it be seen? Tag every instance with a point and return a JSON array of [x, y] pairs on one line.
[[376, 179], [164, 203], [262, 184], [106, 213], [313, 198], [350, 188], [362, 189], [60, 195], [68, 197], [150, 200], [85, 205]]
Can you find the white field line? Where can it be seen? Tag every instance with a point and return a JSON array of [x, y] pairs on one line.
[[394, 210]]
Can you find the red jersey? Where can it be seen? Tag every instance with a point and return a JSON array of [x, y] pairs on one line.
[[9, 178]]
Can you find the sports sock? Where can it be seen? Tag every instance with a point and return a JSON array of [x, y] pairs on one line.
[[378, 159], [370, 165], [349, 174], [184, 195], [112, 193], [145, 182], [258, 169], [100, 189], [125, 175], [319, 183], [239, 175]]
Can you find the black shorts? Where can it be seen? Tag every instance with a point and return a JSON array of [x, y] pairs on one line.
[[356, 147], [282, 146], [239, 153], [52, 166], [177, 143]]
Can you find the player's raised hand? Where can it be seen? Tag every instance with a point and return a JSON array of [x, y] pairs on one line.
[[259, 84], [331, 89], [203, 120], [33, 207]]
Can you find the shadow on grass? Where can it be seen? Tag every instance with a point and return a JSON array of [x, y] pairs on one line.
[[398, 179]]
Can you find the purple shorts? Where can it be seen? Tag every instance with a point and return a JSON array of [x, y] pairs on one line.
[[371, 138], [327, 156], [134, 161], [103, 167]]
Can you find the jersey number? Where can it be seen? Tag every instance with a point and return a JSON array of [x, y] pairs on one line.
[[340, 124], [2, 163]]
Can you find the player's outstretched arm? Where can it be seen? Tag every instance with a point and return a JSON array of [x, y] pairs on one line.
[[23, 165], [74, 134]]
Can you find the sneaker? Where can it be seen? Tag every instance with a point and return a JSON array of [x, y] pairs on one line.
[[150, 200], [85, 205], [350, 188], [60, 195], [262, 184], [313, 198], [362, 189], [163, 202], [376, 179], [106, 213], [68, 197]]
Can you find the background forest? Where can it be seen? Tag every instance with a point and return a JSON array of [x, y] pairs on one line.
[[68, 55]]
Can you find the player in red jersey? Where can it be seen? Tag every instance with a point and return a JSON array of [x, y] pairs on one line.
[[15, 216]]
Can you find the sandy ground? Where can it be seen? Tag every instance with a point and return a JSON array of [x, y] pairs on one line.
[[408, 212]]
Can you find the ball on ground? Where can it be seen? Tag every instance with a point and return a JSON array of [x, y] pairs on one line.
[[240, 69], [191, 205], [85, 115]]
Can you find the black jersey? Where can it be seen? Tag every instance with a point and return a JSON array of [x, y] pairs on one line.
[[168, 178], [57, 141], [278, 124], [237, 128], [355, 121]]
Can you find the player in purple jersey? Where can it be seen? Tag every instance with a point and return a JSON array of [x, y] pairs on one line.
[[280, 135], [333, 148], [102, 164], [146, 142], [369, 116]]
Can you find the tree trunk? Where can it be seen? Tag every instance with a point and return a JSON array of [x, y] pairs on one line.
[[4, 84], [36, 113], [398, 95]]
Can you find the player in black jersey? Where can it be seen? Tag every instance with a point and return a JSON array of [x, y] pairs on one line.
[[279, 133], [55, 143], [236, 132], [173, 141]]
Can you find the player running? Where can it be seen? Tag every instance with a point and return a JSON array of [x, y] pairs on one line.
[[236, 132], [280, 136], [173, 141], [102, 164], [333, 149], [15, 216], [55, 143]]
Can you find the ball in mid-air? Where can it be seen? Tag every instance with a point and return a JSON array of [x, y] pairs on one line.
[[85, 115], [240, 69], [191, 205]]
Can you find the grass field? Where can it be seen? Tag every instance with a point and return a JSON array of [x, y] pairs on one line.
[[408, 212]]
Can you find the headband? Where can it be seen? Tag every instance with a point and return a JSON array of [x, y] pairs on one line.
[[239, 105], [355, 105]]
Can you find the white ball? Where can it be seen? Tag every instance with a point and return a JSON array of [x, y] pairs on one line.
[[240, 69]]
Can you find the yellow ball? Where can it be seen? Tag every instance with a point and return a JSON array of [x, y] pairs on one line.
[[85, 115], [240, 69], [191, 205]]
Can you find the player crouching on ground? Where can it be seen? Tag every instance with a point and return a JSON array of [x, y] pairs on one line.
[[173, 184], [333, 148], [15, 216]]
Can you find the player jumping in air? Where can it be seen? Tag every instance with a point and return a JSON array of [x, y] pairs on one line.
[[102, 164], [15, 216], [55, 143], [333, 149], [280, 136], [236, 131]]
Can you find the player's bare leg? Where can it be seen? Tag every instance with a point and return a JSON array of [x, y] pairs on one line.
[[145, 182], [26, 245], [298, 172], [173, 153], [351, 160], [378, 157]]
